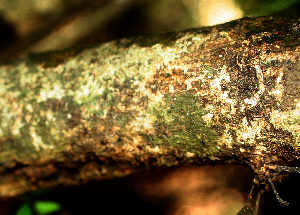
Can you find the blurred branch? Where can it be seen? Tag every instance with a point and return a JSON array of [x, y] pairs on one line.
[[227, 93], [82, 26], [65, 29]]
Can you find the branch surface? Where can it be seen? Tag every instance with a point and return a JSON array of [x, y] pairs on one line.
[[221, 94]]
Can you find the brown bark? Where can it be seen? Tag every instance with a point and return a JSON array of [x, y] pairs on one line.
[[227, 93]]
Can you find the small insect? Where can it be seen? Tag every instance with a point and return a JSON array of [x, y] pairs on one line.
[[274, 172]]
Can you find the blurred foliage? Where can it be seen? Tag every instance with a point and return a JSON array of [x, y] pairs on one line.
[[46, 207], [40, 208], [264, 7], [24, 210]]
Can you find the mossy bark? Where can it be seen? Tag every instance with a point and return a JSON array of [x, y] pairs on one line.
[[227, 93]]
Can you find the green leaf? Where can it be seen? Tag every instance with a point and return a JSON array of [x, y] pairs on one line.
[[46, 207], [24, 210]]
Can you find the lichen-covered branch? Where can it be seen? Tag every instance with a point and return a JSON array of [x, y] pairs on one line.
[[228, 93]]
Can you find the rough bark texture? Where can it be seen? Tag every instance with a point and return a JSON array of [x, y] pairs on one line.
[[228, 93]]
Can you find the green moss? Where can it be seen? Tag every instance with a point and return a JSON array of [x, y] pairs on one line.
[[183, 116]]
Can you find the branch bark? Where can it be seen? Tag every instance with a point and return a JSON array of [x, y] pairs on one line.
[[227, 93]]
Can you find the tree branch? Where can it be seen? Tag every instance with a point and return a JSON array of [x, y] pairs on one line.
[[228, 93]]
